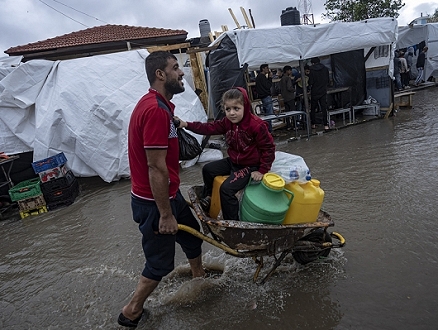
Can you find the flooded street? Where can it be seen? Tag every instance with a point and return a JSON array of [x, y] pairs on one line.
[[74, 268]]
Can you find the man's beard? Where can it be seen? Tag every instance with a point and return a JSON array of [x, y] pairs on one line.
[[174, 87]]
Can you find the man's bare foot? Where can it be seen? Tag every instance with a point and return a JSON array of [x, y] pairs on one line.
[[196, 267], [130, 314]]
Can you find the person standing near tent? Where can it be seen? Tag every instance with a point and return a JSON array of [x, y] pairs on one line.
[[299, 87], [421, 60], [287, 89], [263, 88], [275, 89], [403, 70], [409, 61], [156, 201], [397, 72], [319, 80]]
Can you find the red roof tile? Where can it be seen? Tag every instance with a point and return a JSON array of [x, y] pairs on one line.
[[97, 35]]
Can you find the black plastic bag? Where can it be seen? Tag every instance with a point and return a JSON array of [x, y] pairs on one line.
[[189, 146]]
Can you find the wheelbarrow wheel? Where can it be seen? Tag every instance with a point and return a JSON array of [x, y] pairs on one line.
[[304, 257]]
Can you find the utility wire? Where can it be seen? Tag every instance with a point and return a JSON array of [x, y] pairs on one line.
[[62, 13], [80, 12]]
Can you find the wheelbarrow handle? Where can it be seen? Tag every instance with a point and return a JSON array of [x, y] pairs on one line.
[[210, 240], [338, 237]]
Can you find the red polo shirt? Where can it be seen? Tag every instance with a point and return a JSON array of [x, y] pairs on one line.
[[151, 127]]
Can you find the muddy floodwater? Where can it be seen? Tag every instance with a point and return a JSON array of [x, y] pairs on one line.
[[74, 268]]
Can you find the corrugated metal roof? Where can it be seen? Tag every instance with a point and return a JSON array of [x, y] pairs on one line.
[[97, 35]]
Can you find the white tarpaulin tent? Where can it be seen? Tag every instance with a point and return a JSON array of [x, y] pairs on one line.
[[80, 107], [414, 36], [287, 44]]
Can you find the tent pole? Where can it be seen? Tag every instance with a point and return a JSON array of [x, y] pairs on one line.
[[306, 99]]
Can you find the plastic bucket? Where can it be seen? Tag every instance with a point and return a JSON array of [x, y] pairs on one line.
[[266, 202]]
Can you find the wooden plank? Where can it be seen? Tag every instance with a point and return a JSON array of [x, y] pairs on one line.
[[234, 18], [389, 111], [199, 77], [404, 94], [168, 47], [248, 23], [210, 35], [204, 95], [200, 49]]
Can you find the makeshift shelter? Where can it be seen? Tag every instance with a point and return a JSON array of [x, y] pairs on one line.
[[80, 107], [419, 36], [287, 45]]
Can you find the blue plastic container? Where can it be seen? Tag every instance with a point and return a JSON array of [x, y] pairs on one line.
[[48, 163]]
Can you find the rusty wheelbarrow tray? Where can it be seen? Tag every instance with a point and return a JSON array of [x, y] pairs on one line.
[[306, 242]]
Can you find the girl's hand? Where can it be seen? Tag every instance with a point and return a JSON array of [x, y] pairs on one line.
[[256, 176], [181, 122]]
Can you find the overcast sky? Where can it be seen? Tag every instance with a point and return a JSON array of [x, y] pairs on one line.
[[27, 21]]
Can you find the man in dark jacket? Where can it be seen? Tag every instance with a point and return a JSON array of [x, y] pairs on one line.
[[287, 89], [421, 60], [263, 88], [318, 81]]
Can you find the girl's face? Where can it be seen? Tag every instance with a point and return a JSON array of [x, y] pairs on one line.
[[234, 110]]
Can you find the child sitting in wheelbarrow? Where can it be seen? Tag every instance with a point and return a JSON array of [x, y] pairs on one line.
[[251, 150]]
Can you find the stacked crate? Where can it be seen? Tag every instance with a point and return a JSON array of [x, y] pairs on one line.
[[29, 196], [58, 184]]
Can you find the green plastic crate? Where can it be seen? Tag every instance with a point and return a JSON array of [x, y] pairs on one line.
[[25, 189]]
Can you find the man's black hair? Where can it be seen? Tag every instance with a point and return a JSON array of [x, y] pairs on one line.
[[156, 61], [263, 66]]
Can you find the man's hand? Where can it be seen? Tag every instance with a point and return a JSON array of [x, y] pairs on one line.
[[168, 225], [256, 176]]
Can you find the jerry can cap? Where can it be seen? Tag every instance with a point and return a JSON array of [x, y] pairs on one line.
[[315, 182], [273, 181]]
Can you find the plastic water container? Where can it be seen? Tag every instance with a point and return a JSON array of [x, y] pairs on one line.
[[290, 16], [308, 198], [266, 202], [215, 205], [204, 30]]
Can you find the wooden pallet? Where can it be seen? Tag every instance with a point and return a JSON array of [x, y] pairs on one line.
[[403, 99]]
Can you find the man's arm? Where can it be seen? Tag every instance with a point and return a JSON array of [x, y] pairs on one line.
[[290, 85], [311, 79], [159, 180]]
